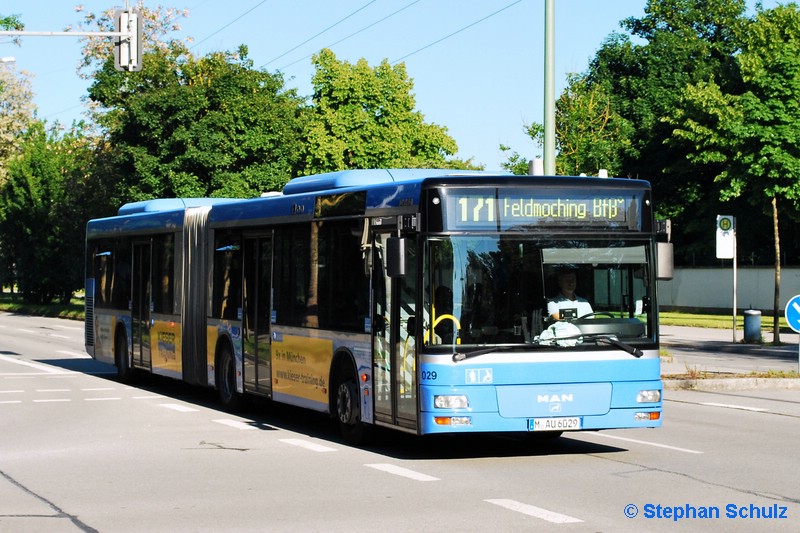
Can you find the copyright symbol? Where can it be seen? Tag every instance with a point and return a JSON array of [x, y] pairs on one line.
[[631, 510]]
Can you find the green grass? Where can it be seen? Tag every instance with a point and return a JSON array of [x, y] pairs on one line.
[[674, 318], [14, 304]]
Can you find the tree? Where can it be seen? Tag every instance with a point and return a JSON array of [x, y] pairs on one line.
[[16, 112], [43, 213], [364, 117], [210, 126], [590, 135], [192, 126], [752, 134], [679, 42]]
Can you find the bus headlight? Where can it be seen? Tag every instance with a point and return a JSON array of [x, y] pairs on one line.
[[459, 401], [649, 396]]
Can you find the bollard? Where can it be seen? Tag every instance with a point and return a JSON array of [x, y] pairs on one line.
[[752, 326]]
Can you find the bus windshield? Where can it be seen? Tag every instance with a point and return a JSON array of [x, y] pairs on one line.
[[506, 290]]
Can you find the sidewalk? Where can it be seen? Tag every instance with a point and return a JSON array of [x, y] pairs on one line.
[[709, 359]]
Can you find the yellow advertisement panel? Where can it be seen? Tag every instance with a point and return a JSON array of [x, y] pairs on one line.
[[165, 346], [301, 366]]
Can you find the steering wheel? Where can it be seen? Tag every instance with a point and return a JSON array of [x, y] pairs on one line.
[[592, 315]]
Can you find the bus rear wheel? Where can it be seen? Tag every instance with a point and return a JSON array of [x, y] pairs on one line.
[[226, 379], [124, 370], [348, 409]]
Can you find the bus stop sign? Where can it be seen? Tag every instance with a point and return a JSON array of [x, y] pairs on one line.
[[793, 313]]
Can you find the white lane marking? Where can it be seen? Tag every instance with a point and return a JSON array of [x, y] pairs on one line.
[[675, 448], [11, 391], [56, 335], [536, 512], [404, 472], [10, 401], [733, 406], [101, 399], [178, 407], [53, 400], [27, 331], [308, 445], [74, 328], [152, 397], [52, 390], [44, 368], [76, 355], [97, 389], [237, 424]]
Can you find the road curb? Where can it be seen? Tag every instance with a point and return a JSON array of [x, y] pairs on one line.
[[728, 384]]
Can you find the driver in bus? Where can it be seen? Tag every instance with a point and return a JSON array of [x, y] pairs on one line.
[[566, 304]]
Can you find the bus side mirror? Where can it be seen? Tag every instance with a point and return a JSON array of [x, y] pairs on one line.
[[665, 263], [396, 257]]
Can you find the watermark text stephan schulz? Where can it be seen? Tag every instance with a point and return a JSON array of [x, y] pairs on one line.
[[707, 512]]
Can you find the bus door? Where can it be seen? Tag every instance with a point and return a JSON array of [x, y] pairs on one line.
[[257, 311], [394, 359], [140, 303]]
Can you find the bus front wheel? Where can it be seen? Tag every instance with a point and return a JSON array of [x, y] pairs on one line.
[[226, 379]]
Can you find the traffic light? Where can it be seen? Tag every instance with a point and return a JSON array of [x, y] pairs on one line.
[[128, 48]]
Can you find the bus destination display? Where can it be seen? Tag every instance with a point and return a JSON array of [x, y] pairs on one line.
[[504, 209]]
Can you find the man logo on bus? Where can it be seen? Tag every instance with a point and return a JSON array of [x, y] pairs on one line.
[[554, 400], [550, 398]]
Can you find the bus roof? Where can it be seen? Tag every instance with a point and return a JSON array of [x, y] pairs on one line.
[[170, 204], [366, 177]]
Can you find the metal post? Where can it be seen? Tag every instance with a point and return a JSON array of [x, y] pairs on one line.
[[734, 285], [549, 89]]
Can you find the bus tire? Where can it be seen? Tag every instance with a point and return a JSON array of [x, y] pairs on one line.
[[229, 397], [347, 408], [121, 359]]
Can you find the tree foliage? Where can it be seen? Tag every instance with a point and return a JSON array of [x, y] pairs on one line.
[[365, 117], [590, 134], [43, 213], [16, 112], [751, 134], [209, 126]]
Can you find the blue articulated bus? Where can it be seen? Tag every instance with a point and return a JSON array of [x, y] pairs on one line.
[[419, 300]]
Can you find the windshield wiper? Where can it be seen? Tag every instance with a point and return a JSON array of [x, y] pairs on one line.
[[461, 356], [613, 341]]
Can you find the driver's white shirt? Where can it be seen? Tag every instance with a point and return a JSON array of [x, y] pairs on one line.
[[581, 305]]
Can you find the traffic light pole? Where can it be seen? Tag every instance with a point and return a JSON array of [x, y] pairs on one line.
[[127, 44]]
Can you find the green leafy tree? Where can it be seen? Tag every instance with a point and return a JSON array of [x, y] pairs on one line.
[[678, 43], [43, 213], [589, 135], [751, 134], [519, 164], [210, 126], [365, 117], [16, 112], [191, 126]]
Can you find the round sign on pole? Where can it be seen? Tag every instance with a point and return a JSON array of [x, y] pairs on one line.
[[793, 313]]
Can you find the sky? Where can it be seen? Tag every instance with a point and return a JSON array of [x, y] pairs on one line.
[[477, 65]]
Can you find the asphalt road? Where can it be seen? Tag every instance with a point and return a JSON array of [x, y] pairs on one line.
[[82, 452]]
